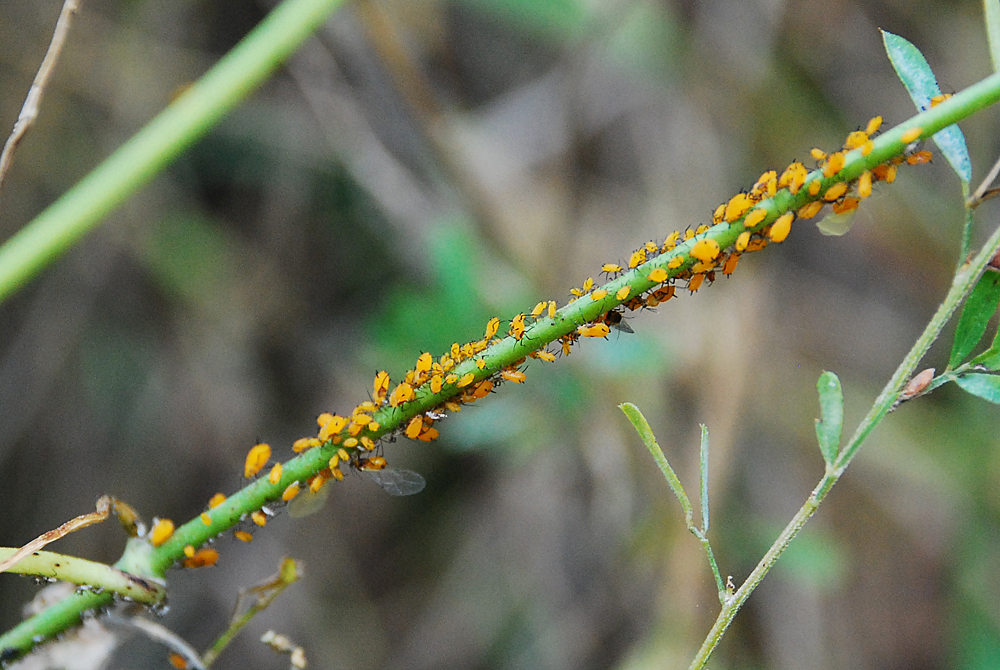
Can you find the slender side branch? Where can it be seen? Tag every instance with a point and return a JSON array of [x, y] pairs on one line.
[[962, 285], [29, 112]]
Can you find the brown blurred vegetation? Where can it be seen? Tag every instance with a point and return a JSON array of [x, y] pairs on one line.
[[421, 166]]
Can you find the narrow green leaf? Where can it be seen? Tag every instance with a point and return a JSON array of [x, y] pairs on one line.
[[918, 78], [979, 307], [704, 478], [831, 412], [991, 10], [646, 435], [986, 387]]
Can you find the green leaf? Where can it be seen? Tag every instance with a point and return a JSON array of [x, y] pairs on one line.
[[991, 9], [918, 78], [986, 387], [979, 307], [831, 411]]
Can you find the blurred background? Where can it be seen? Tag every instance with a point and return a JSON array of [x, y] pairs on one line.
[[422, 165]]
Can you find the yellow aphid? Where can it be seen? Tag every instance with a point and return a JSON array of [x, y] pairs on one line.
[[354, 428], [705, 250], [688, 234], [402, 393], [753, 218], [334, 461], [814, 187], [817, 153], [652, 247], [275, 475], [702, 266], [845, 205], [374, 426], [695, 283], [301, 444], [589, 284], [781, 227], [516, 327], [552, 309], [600, 294], [344, 456], [380, 387], [671, 240], [701, 229], [259, 518], [766, 177], [675, 262], [547, 356], [351, 442], [538, 309], [492, 326], [717, 217], [743, 240], [865, 184], [911, 135], [315, 484], [515, 376], [622, 293], [810, 210], [451, 379], [424, 363], [873, 125], [331, 427], [890, 174], [835, 192], [867, 147], [938, 99], [466, 379], [242, 536], [337, 474], [367, 442], [737, 207], [216, 500], [205, 518], [366, 406], [257, 458], [730, 265], [757, 245], [638, 258], [834, 164], [607, 268], [162, 530], [437, 382], [290, 492], [480, 363], [856, 139], [594, 330], [189, 551], [659, 275], [202, 558]]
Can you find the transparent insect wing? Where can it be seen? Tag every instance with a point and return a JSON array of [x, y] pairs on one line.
[[307, 502], [397, 482]]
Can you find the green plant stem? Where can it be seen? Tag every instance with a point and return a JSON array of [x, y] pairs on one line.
[[963, 283], [135, 163], [50, 565]]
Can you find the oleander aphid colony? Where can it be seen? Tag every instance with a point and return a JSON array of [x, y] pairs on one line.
[[437, 386]]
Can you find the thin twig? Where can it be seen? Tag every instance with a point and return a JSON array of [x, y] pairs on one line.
[[29, 111], [981, 192]]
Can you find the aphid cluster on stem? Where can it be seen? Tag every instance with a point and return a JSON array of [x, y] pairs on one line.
[[464, 374]]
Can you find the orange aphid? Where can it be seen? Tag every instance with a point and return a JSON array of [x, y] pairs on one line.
[[315, 484], [834, 164], [730, 265], [380, 387], [466, 379], [817, 153], [547, 356], [810, 210], [492, 326], [242, 536], [216, 500], [290, 491], [423, 363], [743, 240], [259, 518], [594, 330], [202, 558], [920, 158], [275, 475], [162, 530], [781, 227], [814, 187], [659, 275], [753, 218], [845, 205], [865, 184], [515, 376], [705, 250], [695, 282], [414, 427], [177, 661], [428, 434], [793, 177], [402, 393], [257, 458], [873, 125], [911, 135], [674, 263], [835, 191], [867, 147], [516, 327], [437, 383], [330, 425], [856, 139], [737, 207]]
